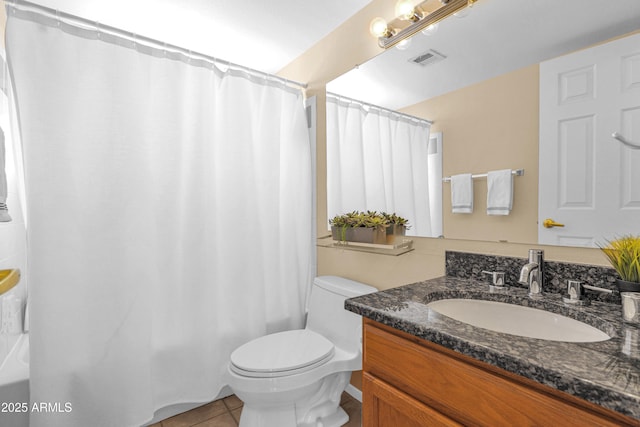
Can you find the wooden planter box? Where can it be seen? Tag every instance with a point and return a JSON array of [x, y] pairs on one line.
[[359, 234]]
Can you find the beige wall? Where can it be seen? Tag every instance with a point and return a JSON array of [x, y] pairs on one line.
[[498, 116]]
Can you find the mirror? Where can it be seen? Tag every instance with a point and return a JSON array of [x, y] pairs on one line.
[[477, 78]]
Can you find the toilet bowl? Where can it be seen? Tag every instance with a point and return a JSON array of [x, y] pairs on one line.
[[296, 378]]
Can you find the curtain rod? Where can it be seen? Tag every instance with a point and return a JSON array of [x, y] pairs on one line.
[[101, 28], [377, 107]]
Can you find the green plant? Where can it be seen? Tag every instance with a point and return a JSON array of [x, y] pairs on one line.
[[396, 220], [369, 219], [339, 221], [341, 224], [624, 256]]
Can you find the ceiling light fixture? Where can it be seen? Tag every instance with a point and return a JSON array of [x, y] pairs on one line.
[[412, 19]]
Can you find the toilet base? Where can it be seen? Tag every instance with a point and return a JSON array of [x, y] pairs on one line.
[[337, 419], [284, 416], [314, 406]]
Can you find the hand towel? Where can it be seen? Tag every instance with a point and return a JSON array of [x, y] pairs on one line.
[[4, 213], [499, 192], [462, 193]]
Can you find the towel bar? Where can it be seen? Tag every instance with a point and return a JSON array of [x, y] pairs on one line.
[[517, 172]]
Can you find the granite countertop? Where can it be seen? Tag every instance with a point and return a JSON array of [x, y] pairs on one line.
[[606, 373]]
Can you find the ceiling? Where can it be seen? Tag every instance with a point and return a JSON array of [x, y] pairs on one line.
[[263, 35], [496, 37]]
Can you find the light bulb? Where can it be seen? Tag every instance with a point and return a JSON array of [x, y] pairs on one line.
[[404, 9], [379, 28], [431, 29], [404, 44], [407, 12]]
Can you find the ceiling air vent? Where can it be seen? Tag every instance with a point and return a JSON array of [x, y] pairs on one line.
[[427, 58]]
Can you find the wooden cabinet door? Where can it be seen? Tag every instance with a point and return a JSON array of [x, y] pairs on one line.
[[386, 406], [408, 381]]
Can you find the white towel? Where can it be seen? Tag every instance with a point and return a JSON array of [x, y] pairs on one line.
[[462, 193], [499, 192]]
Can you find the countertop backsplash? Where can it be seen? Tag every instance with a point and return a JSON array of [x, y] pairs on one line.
[[470, 266]]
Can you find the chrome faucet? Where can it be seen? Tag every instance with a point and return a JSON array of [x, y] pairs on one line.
[[532, 273]]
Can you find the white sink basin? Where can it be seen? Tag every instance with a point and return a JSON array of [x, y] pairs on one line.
[[518, 320]]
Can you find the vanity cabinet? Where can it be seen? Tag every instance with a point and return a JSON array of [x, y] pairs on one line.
[[408, 381]]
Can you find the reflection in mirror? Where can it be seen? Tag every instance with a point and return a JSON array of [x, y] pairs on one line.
[[477, 78], [385, 161], [591, 180]]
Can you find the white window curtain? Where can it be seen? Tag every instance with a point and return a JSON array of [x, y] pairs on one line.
[[169, 208], [378, 160]]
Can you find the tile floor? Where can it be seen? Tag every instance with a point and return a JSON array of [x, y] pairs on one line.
[[226, 413]]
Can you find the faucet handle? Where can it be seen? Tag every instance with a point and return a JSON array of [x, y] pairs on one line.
[[597, 289], [575, 290], [497, 277], [575, 293]]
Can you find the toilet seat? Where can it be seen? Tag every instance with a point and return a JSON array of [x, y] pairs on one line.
[[281, 354]]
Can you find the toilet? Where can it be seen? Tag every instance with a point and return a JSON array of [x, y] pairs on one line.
[[296, 378]]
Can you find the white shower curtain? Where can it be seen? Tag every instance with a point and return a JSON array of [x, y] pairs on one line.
[[169, 208], [379, 161]]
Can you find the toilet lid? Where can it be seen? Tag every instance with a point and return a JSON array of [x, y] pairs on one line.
[[282, 353]]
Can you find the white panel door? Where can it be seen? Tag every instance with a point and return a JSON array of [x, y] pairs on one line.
[[589, 181]]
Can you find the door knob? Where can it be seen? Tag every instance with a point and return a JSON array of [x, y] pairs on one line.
[[549, 223]]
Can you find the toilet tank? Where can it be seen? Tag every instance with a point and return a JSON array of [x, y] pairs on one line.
[[327, 315]]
